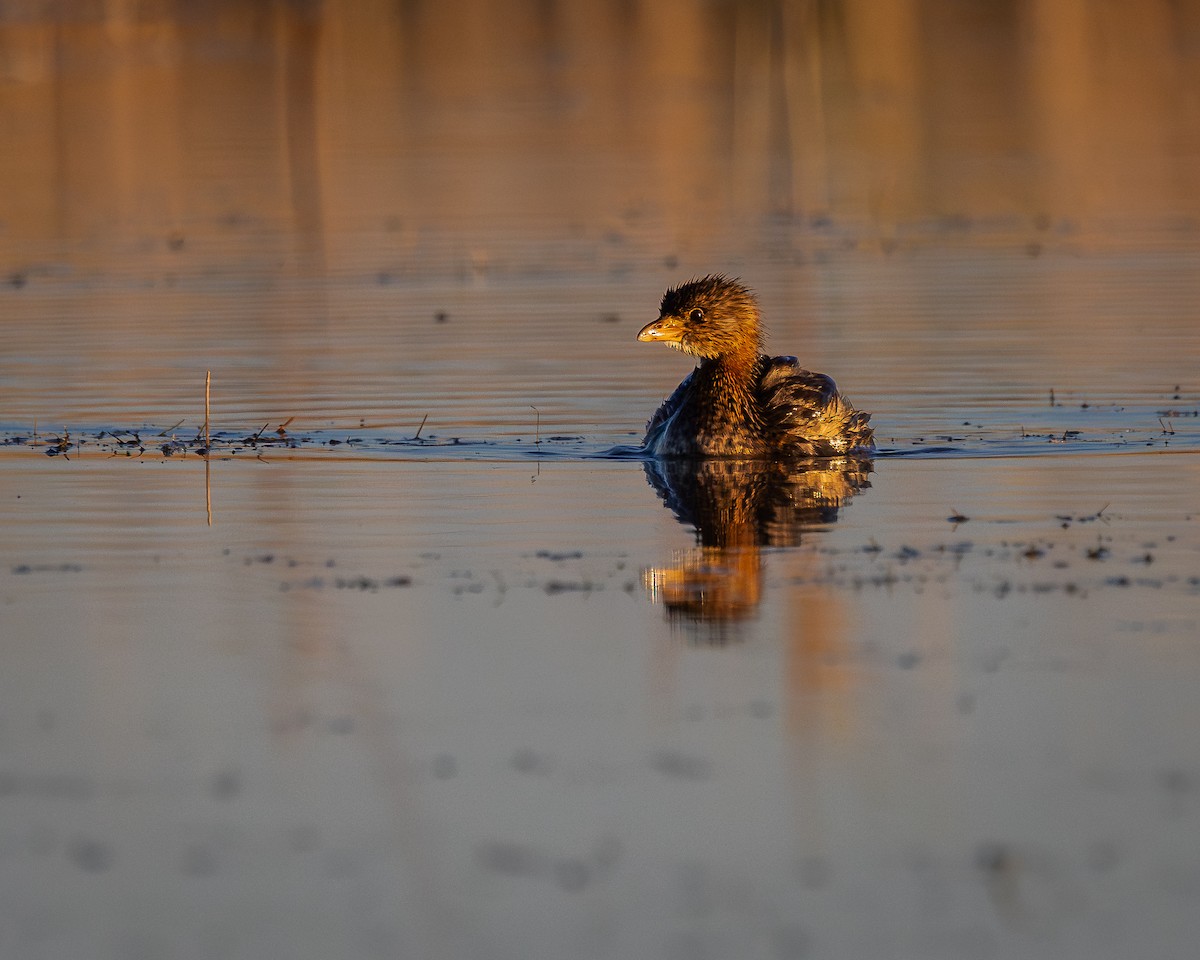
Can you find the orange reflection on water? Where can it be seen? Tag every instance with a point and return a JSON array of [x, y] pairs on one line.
[[400, 132], [738, 507]]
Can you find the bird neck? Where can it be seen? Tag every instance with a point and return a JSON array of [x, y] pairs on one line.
[[729, 381]]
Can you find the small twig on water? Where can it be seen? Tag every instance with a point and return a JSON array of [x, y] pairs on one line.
[[1166, 427], [171, 429], [537, 428], [282, 428], [61, 445], [417, 435], [207, 445]]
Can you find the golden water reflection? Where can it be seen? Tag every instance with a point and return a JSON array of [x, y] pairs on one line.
[[738, 507], [323, 136]]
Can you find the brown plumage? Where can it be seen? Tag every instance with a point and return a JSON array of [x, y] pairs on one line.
[[738, 402]]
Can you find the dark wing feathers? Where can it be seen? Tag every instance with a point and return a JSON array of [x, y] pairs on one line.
[[793, 395], [807, 410]]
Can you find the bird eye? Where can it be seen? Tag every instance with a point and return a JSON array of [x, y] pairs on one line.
[[696, 316]]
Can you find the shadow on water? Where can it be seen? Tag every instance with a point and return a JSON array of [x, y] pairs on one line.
[[738, 507]]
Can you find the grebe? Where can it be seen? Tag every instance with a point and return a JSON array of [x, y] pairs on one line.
[[739, 402]]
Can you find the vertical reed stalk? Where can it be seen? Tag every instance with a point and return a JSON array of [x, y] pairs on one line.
[[207, 384]]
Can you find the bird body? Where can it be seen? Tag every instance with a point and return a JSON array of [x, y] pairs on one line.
[[739, 402]]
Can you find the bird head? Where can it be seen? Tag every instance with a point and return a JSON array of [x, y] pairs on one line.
[[710, 317]]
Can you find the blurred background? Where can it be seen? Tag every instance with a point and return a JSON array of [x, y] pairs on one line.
[[405, 137]]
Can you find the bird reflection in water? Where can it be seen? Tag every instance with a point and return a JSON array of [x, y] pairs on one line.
[[737, 507]]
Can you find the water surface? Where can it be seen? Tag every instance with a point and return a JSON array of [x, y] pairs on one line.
[[412, 665]]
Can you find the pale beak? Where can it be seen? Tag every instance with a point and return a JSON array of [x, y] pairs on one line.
[[662, 330]]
